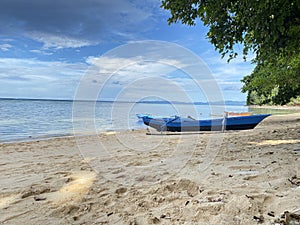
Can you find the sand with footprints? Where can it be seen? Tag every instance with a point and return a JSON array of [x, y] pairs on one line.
[[130, 177]]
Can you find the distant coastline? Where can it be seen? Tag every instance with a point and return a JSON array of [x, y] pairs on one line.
[[36, 99], [226, 102]]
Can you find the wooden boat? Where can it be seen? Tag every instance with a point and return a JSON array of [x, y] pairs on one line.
[[179, 124]]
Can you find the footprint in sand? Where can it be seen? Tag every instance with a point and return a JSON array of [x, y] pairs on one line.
[[79, 184]]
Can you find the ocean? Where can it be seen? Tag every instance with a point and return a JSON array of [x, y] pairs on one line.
[[30, 119]]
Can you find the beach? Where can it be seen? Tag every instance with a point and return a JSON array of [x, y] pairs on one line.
[[144, 177]]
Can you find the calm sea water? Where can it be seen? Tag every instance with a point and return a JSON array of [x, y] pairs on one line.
[[24, 119]]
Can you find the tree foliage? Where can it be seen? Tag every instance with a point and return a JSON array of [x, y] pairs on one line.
[[274, 82], [268, 28], [262, 26]]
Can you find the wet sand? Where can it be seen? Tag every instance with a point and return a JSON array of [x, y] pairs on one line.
[[236, 177]]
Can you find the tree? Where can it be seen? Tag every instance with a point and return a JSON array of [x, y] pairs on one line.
[[263, 26], [274, 82], [268, 28]]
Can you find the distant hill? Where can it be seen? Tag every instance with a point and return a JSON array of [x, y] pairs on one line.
[[237, 103]]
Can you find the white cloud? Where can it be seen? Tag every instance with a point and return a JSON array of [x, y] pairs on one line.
[[33, 78], [134, 66], [41, 52], [227, 73], [148, 65], [135, 78], [58, 41], [5, 47]]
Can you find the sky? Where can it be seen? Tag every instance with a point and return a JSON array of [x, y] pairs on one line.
[[122, 49]]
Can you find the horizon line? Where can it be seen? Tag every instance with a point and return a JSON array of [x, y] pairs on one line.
[[107, 100]]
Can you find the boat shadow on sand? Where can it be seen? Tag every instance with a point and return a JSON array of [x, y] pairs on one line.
[[157, 133]]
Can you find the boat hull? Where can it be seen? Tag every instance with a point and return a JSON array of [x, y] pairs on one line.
[[184, 124]]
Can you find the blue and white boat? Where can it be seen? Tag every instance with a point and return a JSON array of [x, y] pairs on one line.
[[140, 116], [179, 124]]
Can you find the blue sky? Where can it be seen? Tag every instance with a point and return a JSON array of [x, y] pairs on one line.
[[47, 47]]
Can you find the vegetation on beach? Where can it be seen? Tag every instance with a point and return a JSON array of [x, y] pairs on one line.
[[270, 29], [274, 82]]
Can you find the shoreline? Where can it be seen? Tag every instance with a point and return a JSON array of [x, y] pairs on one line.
[[292, 110], [276, 107], [67, 135]]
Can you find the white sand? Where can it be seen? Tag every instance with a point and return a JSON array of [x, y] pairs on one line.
[[240, 177]]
